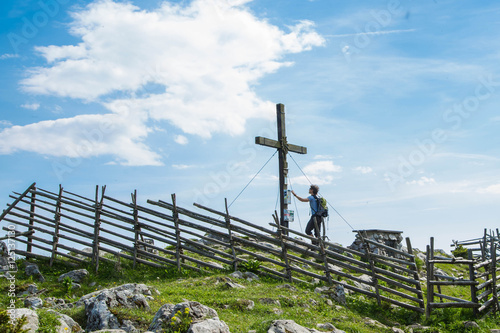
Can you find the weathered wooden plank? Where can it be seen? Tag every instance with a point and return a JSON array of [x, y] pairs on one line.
[[248, 224], [467, 305], [453, 262], [451, 298], [402, 304], [453, 283], [391, 249], [403, 295], [16, 201], [395, 276]]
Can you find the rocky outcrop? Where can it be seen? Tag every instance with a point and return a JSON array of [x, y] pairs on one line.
[[289, 326], [33, 270], [76, 276], [204, 319], [67, 324], [32, 322], [97, 305]]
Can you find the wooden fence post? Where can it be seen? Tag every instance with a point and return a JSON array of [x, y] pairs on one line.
[[322, 251], [415, 274], [430, 277], [97, 225], [178, 246], [473, 287], [372, 267], [137, 228], [494, 274], [57, 220], [230, 235], [31, 223], [284, 252]]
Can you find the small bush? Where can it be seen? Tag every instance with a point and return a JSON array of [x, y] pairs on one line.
[[48, 322], [460, 251], [179, 323], [250, 266]]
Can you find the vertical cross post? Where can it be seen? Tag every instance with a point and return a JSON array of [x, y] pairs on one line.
[[283, 148]]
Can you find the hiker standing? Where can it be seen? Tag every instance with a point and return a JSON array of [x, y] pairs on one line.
[[314, 204]]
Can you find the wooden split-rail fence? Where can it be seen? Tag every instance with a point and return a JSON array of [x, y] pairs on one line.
[[63, 223], [66, 225], [482, 278]]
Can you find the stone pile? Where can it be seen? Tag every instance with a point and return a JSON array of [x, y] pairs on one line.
[[385, 237]]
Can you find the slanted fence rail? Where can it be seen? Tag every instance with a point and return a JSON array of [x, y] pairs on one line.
[[66, 225]]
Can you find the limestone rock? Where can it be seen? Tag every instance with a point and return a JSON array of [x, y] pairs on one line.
[[209, 325], [251, 276], [67, 323], [99, 317], [269, 301], [373, 323], [286, 326], [396, 330], [33, 302], [325, 326], [471, 324], [33, 270], [364, 286], [31, 317], [287, 286], [289, 326], [245, 304], [339, 294], [198, 312], [237, 275], [77, 275], [130, 295], [128, 326]]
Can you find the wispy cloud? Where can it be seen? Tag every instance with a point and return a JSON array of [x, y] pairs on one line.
[[182, 166], [379, 32], [492, 189], [32, 106], [8, 56], [181, 139], [363, 170]]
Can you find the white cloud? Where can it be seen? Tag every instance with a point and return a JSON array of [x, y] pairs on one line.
[[8, 56], [83, 136], [206, 54], [492, 189], [320, 173], [363, 170], [380, 32], [5, 123], [32, 106], [422, 181], [182, 166], [181, 139]]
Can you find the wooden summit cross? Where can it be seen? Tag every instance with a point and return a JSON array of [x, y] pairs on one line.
[[283, 148]]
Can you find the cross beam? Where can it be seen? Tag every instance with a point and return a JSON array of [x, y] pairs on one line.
[[283, 148]]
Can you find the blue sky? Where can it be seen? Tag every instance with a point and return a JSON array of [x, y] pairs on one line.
[[397, 102]]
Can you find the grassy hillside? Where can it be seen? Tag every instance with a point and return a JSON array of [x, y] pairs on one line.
[[296, 301]]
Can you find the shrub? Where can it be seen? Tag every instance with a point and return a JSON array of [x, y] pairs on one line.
[[460, 251], [179, 323], [250, 266]]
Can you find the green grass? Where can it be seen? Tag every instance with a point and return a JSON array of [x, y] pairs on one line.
[[304, 306]]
